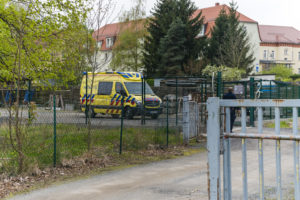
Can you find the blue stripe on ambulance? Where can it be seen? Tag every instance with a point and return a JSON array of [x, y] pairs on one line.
[[118, 98], [132, 101], [128, 99], [113, 98], [83, 98]]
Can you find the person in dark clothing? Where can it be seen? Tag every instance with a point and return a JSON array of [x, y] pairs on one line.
[[230, 95]]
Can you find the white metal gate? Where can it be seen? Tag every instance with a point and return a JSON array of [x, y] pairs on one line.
[[214, 106]]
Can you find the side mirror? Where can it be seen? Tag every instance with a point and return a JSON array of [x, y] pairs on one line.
[[123, 93]]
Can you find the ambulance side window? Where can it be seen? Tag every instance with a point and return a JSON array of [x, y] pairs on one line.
[[119, 87], [105, 88]]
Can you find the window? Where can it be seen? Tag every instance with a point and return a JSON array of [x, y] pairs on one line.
[[136, 88], [109, 42], [104, 88], [99, 44], [285, 59], [298, 55], [265, 54], [298, 70], [272, 55], [286, 51], [202, 31], [119, 87]]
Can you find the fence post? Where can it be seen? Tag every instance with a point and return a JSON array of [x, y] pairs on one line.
[[86, 98], [167, 121], [219, 84], [186, 119], [252, 95], [121, 131], [176, 101], [54, 130], [29, 98], [213, 148], [298, 98]]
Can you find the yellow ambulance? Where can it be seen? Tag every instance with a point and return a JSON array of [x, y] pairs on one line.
[[104, 95]]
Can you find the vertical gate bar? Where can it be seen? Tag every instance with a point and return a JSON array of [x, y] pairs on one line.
[[213, 148], [252, 96], [296, 154], [278, 154], [244, 155], [286, 97], [227, 160], [261, 154], [270, 96]]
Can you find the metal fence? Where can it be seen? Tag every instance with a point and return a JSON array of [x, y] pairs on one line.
[[57, 125], [261, 89], [214, 144]]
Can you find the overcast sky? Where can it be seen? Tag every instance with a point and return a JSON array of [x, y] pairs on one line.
[[266, 12]]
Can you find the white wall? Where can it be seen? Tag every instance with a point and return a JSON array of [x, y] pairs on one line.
[[253, 34]]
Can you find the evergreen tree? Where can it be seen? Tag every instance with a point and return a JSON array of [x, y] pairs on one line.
[[229, 44], [172, 50], [194, 44], [164, 14]]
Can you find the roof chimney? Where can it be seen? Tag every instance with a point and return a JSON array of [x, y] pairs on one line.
[[217, 4]]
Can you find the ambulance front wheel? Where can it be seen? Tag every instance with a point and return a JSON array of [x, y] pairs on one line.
[[128, 113]]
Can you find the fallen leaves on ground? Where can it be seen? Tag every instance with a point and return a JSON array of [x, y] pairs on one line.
[[83, 165]]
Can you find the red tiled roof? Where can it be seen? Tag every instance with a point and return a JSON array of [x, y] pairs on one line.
[[279, 34], [112, 30], [210, 14]]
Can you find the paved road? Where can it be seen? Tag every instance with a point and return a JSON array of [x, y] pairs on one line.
[[181, 179], [43, 116]]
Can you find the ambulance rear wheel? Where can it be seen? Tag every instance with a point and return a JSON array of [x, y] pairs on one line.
[[154, 116], [115, 116], [128, 113]]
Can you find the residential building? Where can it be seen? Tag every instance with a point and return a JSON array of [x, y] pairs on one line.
[[279, 45], [107, 35], [210, 15]]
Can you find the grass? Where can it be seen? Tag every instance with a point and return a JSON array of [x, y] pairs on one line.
[[72, 142], [283, 124]]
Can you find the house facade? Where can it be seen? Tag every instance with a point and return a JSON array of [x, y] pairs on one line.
[[279, 45], [107, 35], [211, 14]]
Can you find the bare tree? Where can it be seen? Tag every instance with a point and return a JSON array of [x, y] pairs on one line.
[[100, 14]]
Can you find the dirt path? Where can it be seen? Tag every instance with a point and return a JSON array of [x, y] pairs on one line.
[[181, 179]]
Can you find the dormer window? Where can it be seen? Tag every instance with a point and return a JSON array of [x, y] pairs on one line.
[[202, 31], [109, 42]]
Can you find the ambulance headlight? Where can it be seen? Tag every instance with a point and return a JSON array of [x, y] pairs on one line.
[[138, 103]]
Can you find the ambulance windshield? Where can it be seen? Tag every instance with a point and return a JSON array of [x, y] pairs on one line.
[[136, 88]]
